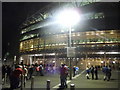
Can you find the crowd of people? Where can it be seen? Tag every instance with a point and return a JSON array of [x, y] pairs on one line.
[[94, 72], [15, 72]]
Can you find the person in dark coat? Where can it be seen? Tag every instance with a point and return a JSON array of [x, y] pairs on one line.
[[105, 69], [30, 71], [15, 77], [108, 73], [3, 71], [63, 76], [87, 72], [92, 72], [74, 70], [8, 71], [41, 70], [96, 72]]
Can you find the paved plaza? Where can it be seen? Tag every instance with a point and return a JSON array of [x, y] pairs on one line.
[[79, 80]]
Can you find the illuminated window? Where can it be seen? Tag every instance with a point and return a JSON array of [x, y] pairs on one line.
[[112, 32]]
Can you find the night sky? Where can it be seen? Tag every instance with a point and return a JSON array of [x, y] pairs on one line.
[[13, 15]]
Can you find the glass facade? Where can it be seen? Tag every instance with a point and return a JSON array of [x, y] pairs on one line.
[[107, 37], [92, 47]]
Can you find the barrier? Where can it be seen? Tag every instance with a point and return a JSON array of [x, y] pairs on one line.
[[24, 81], [22, 76], [48, 84], [72, 86]]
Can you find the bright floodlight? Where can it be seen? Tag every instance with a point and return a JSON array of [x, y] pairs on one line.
[[68, 17]]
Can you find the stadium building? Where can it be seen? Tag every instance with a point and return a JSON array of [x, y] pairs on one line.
[[96, 37]]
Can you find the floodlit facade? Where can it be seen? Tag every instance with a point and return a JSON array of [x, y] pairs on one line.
[[96, 37]]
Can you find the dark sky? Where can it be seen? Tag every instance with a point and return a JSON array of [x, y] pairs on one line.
[[13, 15]]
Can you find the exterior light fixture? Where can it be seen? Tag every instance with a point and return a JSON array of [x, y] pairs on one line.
[[68, 17]]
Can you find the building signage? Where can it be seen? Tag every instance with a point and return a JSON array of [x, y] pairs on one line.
[[70, 51]]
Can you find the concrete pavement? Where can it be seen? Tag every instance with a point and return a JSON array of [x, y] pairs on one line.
[[80, 81]]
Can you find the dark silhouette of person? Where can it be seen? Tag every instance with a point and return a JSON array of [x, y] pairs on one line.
[[105, 71], [30, 71], [63, 76], [108, 73], [92, 72], [96, 72], [3, 71], [74, 70], [15, 77], [87, 72], [8, 70], [41, 70]]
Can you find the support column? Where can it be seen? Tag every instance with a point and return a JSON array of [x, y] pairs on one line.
[[30, 60]]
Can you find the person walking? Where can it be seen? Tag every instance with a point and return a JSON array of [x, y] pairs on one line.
[[104, 70], [108, 73], [15, 77], [4, 70], [74, 71], [30, 71], [77, 70], [8, 71], [41, 70], [96, 72], [63, 76], [87, 72], [25, 73], [92, 71]]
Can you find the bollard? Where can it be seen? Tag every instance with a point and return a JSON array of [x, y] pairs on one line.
[[21, 82], [24, 81], [48, 84], [5, 80], [72, 86], [32, 82]]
